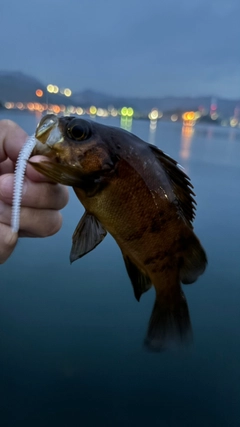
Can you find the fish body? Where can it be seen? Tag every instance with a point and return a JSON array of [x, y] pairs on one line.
[[139, 195]]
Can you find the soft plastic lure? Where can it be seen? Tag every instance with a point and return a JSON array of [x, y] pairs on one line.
[[20, 169]]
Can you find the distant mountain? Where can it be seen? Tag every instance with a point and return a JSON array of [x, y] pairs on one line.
[[165, 104], [16, 86]]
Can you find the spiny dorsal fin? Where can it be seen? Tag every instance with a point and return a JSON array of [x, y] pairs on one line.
[[87, 235], [141, 283], [182, 186]]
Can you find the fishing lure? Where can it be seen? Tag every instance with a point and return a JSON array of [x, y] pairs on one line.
[[20, 170]]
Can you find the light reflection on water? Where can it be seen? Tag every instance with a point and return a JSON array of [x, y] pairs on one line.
[[71, 336], [186, 140], [126, 123], [152, 131]]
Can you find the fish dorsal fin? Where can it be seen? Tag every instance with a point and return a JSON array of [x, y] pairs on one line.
[[182, 186], [141, 282], [87, 235]]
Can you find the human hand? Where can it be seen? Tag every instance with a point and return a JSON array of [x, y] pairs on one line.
[[41, 200]]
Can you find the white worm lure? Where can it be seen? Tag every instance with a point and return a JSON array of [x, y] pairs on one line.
[[19, 173]]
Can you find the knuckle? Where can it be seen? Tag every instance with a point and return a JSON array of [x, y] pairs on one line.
[[64, 196], [53, 225]]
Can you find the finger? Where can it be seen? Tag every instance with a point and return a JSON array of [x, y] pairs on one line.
[[39, 223], [12, 138], [8, 241], [7, 167], [41, 195], [33, 222]]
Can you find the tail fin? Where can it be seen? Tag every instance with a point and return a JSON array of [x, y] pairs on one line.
[[169, 325]]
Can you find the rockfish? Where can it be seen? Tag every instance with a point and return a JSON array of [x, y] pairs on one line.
[[141, 196]]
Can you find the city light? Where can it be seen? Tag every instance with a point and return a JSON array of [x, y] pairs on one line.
[[39, 93], [155, 114], [114, 112], [190, 117], [9, 105], [214, 116], [100, 112], [30, 106], [233, 122], [197, 115], [50, 88], [79, 111], [93, 110], [20, 105], [70, 109], [124, 111], [67, 92], [130, 112]]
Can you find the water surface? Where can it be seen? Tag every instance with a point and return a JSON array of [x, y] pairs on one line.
[[71, 336]]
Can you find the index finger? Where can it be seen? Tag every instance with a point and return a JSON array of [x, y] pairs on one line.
[[12, 138]]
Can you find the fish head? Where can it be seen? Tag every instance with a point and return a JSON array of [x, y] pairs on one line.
[[74, 143]]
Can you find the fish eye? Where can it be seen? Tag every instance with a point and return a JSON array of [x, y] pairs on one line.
[[79, 130]]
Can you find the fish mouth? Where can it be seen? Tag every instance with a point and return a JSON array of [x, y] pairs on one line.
[[47, 134]]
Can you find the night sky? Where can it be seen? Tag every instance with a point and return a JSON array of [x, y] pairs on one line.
[[125, 47]]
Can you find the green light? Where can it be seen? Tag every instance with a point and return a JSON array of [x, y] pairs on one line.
[[130, 112], [124, 111]]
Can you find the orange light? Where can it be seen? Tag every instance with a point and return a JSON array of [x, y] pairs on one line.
[[190, 115], [30, 106], [56, 109], [39, 93]]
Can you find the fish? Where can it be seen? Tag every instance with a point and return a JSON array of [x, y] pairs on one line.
[[144, 199]]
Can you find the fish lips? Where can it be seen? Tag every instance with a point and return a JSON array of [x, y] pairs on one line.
[[47, 134]]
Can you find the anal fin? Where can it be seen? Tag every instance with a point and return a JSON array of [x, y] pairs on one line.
[[141, 282], [87, 235]]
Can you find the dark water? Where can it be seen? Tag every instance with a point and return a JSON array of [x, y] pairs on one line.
[[71, 336]]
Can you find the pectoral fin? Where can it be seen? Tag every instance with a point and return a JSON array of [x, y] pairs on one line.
[[87, 235], [141, 283]]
